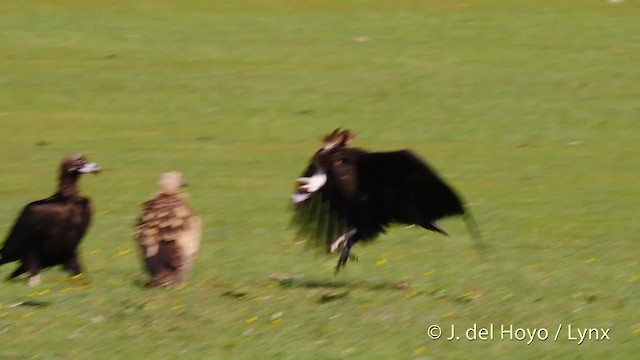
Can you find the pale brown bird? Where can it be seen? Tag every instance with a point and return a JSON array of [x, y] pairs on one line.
[[168, 231]]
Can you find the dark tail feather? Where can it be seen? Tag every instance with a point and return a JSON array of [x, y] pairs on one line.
[[473, 230], [433, 226]]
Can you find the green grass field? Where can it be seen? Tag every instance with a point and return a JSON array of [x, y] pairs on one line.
[[529, 108]]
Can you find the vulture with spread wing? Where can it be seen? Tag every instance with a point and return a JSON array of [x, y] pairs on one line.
[[168, 232], [348, 195], [48, 231]]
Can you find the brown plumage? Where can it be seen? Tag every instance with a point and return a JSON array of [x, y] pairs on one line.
[[48, 231], [168, 231]]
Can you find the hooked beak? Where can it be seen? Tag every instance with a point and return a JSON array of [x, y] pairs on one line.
[[297, 198], [308, 186], [89, 168]]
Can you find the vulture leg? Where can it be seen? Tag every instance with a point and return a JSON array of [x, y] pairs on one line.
[[17, 272], [346, 250], [34, 266], [73, 265], [341, 240]]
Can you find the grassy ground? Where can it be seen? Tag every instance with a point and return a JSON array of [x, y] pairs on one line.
[[529, 108]]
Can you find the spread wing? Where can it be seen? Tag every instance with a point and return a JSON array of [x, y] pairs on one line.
[[401, 188], [169, 233], [371, 191], [322, 218]]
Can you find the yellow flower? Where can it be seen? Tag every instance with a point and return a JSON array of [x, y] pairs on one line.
[[39, 293], [273, 285], [251, 320], [381, 262], [122, 252], [448, 315], [419, 350], [590, 260], [27, 315], [182, 286], [276, 322], [411, 294], [469, 294]]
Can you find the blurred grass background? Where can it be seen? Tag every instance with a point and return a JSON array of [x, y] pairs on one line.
[[528, 108]]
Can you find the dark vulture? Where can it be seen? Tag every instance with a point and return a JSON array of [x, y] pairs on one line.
[[347, 195], [168, 231], [47, 232]]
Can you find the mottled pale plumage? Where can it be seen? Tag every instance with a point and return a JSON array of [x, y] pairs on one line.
[[168, 231]]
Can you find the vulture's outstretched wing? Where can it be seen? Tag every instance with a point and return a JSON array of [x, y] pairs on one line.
[[169, 234], [322, 217], [402, 188], [370, 191]]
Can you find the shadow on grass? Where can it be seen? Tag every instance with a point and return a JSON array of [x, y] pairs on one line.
[[338, 284], [332, 290]]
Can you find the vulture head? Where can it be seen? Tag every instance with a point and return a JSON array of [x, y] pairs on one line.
[[75, 165], [327, 158], [171, 182]]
